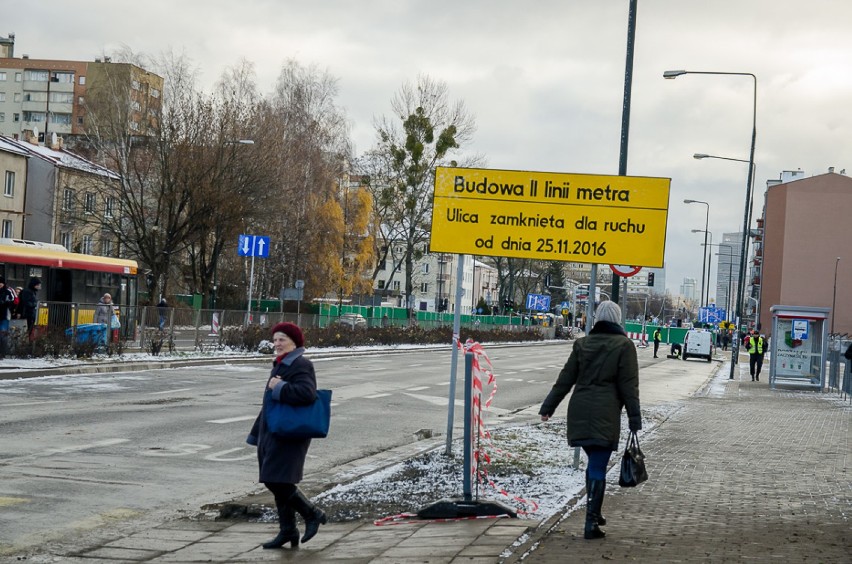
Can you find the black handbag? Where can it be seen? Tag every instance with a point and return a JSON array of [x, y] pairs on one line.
[[633, 470], [310, 421]]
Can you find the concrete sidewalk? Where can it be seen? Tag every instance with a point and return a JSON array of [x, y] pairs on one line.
[[741, 472]]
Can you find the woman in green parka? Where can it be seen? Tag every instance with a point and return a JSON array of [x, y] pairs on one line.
[[604, 373]]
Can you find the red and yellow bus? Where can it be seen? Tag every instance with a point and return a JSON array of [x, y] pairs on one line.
[[68, 279]]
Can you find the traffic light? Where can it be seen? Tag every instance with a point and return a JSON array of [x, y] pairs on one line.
[[650, 279]]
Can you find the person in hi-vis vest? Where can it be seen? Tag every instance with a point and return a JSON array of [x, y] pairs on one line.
[[756, 348]]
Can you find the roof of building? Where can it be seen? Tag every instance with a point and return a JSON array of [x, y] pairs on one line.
[[58, 157]]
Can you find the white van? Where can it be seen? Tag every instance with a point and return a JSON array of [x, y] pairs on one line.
[[698, 343]]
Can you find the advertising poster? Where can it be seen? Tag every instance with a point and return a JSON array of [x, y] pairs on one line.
[[793, 349]]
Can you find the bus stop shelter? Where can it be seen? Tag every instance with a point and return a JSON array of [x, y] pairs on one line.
[[799, 346]]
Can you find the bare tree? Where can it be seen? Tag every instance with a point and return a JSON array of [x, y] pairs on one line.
[[425, 131]]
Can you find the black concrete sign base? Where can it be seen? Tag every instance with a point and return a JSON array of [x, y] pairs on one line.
[[458, 507]]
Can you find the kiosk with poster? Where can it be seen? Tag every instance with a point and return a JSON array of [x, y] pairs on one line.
[[799, 346]]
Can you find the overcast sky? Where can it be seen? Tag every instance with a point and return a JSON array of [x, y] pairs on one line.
[[544, 79]]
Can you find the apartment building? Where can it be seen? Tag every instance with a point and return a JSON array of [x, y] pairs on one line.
[[45, 96], [63, 197]]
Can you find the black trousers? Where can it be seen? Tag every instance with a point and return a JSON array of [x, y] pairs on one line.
[[755, 361], [656, 347]]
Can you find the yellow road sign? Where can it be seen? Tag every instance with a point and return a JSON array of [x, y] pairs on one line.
[[550, 216]]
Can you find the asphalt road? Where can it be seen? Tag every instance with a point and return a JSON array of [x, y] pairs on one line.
[[81, 452]]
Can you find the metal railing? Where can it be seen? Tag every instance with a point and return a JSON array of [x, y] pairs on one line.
[[186, 329], [839, 367]]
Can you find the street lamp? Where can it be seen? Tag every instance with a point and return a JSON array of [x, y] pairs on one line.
[[709, 259], [704, 260], [834, 295], [671, 74]]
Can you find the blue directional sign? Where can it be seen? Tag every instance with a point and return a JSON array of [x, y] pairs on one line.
[[711, 314], [538, 302], [253, 246]]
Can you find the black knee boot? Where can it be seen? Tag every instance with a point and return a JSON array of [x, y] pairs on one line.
[[288, 532], [313, 515], [601, 518], [594, 502]]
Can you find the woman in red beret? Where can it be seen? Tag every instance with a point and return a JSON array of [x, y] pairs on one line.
[[282, 461]]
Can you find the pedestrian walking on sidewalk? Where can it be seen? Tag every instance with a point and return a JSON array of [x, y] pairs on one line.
[[657, 339], [281, 460], [604, 372], [756, 349]]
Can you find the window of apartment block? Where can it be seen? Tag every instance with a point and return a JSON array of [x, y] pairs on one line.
[[424, 287], [8, 229], [62, 97], [9, 187], [134, 125], [35, 96], [135, 85], [79, 120], [36, 117], [88, 246], [17, 97], [90, 202], [381, 284], [82, 81], [155, 93], [2, 96], [36, 75], [60, 119], [2, 116], [426, 268], [396, 284], [68, 200], [63, 77], [135, 105], [106, 247], [16, 117], [109, 206], [66, 240], [3, 76], [17, 77]]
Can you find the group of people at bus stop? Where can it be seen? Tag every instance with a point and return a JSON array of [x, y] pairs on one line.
[[17, 303]]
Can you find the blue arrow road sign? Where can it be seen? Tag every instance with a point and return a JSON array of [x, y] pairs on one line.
[[253, 246], [538, 302]]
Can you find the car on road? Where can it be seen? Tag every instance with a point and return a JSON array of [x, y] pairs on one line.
[[351, 320]]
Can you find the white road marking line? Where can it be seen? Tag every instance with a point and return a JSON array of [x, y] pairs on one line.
[[375, 396], [418, 388], [412, 365], [64, 450], [171, 391], [32, 403], [233, 419]]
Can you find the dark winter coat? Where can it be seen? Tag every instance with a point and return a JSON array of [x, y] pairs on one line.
[[28, 300], [604, 374], [283, 460]]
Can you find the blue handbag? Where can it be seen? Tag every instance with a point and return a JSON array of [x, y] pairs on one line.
[[298, 421]]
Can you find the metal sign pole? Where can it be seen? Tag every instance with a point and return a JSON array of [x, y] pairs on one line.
[[455, 354], [251, 290]]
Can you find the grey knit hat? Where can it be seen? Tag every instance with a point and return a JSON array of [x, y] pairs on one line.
[[608, 311]]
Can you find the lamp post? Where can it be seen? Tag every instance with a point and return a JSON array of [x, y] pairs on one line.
[[834, 295], [704, 261], [709, 261], [672, 74]]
